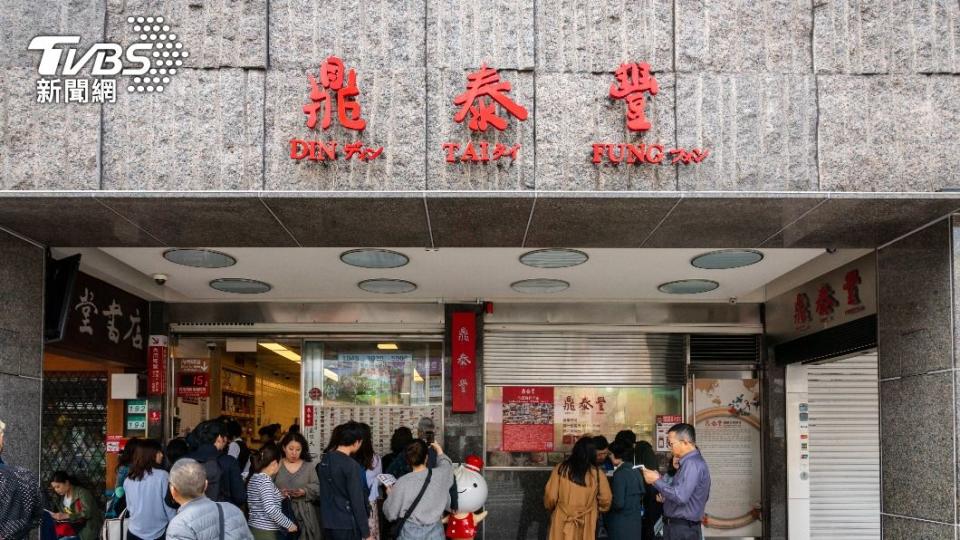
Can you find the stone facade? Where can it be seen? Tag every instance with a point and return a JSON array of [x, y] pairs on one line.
[[787, 95]]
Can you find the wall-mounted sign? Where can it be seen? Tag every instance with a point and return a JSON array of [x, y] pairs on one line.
[[335, 87], [633, 82], [193, 378], [157, 366], [528, 418], [116, 444], [463, 372], [136, 406], [485, 91], [105, 322], [841, 296]]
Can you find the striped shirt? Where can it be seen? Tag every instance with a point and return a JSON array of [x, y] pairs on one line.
[[264, 500]]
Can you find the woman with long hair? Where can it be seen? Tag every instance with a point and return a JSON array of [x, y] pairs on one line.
[[146, 488], [576, 493], [298, 483], [78, 513], [264, 499], [372, 466], [118, 503]]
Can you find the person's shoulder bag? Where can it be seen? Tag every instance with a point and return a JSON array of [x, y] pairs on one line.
[[115, 528], [397, 527]]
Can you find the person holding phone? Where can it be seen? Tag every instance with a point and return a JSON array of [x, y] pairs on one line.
[[424, 522]]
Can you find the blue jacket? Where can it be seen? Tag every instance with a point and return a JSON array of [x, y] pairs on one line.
[[343, 502], [625, 519]]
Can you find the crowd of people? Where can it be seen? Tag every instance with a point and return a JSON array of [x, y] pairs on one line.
[[615, 490], [209, 486]]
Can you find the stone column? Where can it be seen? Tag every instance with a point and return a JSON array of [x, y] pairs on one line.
[[21, 349], [774, 443], [918, 302]]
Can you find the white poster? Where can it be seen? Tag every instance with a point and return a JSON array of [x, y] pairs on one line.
[[727, 420]]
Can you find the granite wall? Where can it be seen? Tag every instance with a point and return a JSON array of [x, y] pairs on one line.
[[833, 95], [918, 304], [21, 355]]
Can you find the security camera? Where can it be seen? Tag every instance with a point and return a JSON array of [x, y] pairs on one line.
[[732, 300], [160, 279], [831, 250], [211, 345]]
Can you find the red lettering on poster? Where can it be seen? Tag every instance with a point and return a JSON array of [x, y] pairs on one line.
[[527, 419], [157, 366], [484, 92], [463, 370], [308, 412]]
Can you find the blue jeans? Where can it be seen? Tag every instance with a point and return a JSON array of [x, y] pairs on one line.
[[412, 531]]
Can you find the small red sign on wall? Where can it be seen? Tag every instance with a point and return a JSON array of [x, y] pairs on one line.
[[157, 366], [463, 372], [308, 412]]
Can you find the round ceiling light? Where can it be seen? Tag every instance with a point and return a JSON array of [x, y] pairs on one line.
[[688, 286], [240, 286], [554, 258], [387, 286], [374, 258], [199, 258], [540, 286], [727, 258]]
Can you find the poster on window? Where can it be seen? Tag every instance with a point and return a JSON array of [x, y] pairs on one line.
[[664, 423], [727, 417], [528, 418]]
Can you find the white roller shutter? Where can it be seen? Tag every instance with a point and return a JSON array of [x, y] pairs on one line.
[[582, 358], [844, 449]]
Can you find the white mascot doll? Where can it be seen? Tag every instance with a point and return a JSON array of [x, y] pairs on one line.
[[471, 495]]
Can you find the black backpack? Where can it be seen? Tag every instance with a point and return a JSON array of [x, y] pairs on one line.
[[214, 472]]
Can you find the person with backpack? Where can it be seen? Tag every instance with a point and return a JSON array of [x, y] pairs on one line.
[[419, 498], [146, 488], [199, 518], [267, 520], [224, 483], [343, 499], [238, 447]]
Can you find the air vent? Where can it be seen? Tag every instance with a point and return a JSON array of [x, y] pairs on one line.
[[724, 352]]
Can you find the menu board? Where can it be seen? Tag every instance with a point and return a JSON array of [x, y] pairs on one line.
[[382, 421], [528, 418]]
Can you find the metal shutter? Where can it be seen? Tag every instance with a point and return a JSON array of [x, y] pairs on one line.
[[844, 449], [582, 357], [724, 352]]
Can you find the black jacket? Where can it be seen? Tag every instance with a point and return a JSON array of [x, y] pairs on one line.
[[232, 488], [343, 501]]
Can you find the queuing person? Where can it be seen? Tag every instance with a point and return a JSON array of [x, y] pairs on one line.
[[668, 478], [118, 503], [237, 449], [421, 521], [426, 432], [576, 492], [402, 436], [343, 501], [264, 499], [78, 512], [629, 438], [370, 461], [652, 508], [297, 481], [625, 517], [685, 499], [223, 472], [20, 503], [269, 434], [199, 517], [176, 449], [601, 444], [146, 488]]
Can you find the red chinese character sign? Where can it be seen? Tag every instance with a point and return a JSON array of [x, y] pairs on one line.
[[157, 366], [463, 372], [528, 418], [478, 106], [337, 87], [633, 82]]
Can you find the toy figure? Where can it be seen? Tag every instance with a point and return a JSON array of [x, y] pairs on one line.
[[471, 495]]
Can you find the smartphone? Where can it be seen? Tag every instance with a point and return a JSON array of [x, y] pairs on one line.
[[640, 466], [429, 436]]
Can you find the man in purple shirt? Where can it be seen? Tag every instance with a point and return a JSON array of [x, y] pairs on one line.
[[685, 499]]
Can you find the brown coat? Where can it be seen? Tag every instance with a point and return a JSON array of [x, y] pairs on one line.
[[575, 507]]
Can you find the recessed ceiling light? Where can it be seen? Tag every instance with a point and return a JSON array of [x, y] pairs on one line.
[[374, 258], [199, 258], [282, 351], [240, 285], [387, 346], [553, 258], [727, 258], [387, 286], [540, 286], [688, 286]]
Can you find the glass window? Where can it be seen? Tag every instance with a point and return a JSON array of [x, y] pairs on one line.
[[537, 426]]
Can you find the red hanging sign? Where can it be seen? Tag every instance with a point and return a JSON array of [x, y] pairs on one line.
[[308, 416], [463, 371], [157, 366]]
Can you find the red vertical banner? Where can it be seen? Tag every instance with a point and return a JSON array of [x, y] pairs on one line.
[[157, 366], [308, 416], [463, 373]]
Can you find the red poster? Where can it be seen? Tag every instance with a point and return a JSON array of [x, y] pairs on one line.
[[116, 444], [157, 366], [528, 418], [308, 416], [193, 385], [464, 359]]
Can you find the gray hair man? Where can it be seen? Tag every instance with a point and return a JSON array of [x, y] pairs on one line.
[[199, 518]]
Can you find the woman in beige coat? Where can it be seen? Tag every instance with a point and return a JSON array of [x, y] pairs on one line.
[[576, 493]]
